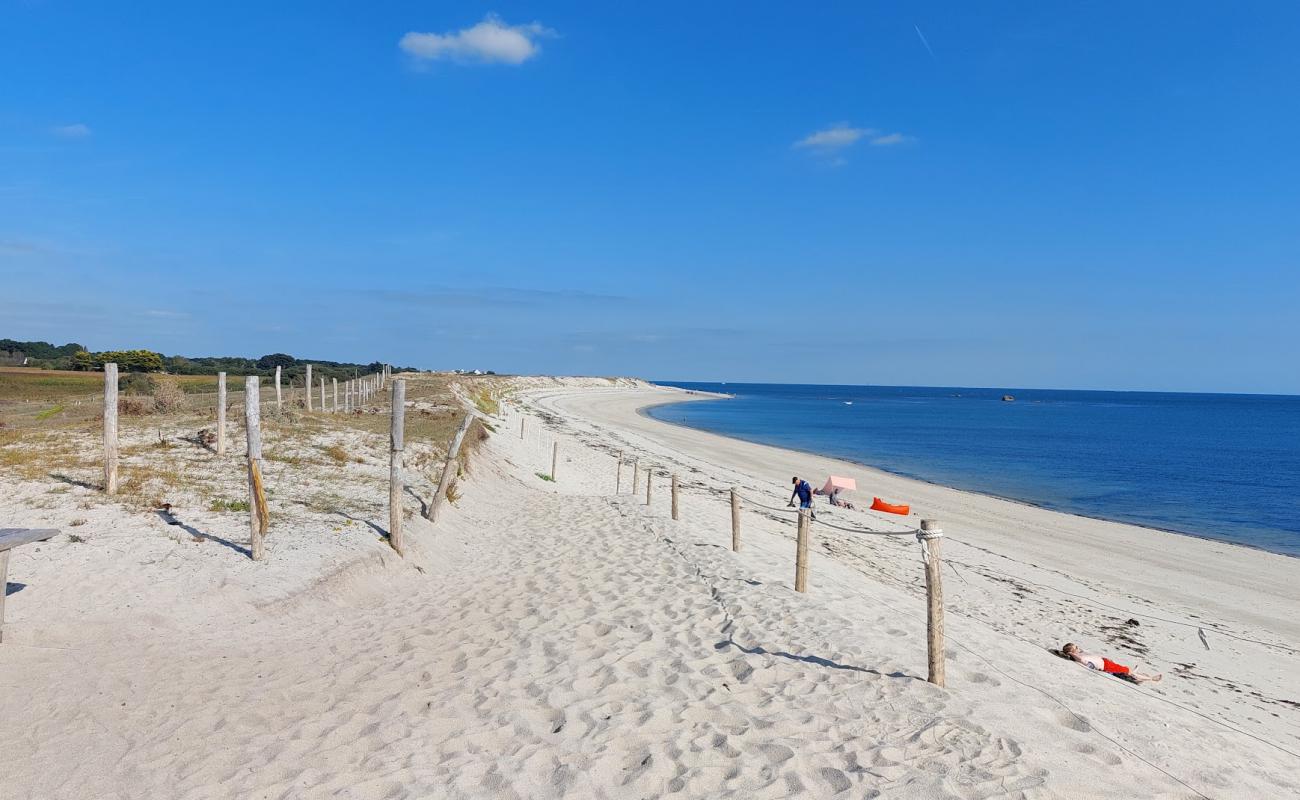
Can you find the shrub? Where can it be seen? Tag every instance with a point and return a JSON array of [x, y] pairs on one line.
[[167, 394], [134, 405]]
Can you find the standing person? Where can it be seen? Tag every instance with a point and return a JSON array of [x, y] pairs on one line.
[[804, 492]]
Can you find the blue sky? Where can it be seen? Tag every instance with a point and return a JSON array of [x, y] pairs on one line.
[[1095, 195]]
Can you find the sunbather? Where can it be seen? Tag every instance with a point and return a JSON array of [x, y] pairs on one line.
[[1093, 661]]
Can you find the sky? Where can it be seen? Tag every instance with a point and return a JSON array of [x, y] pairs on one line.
[[1087, 195]]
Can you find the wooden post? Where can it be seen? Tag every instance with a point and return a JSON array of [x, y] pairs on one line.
[[4, 585], [335, 383], [347, 396], [931, 536], [735, 520], [279, 403], [555, 457], [221, 413], [649, 483], [636, 474], [257, 512], [306, 387], [448, 469], [618, 473], [110, 428], [396, 445], [521, 426], [801, 554], [674, 496], [322, 394]]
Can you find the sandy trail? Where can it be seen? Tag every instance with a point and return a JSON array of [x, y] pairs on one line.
[[553, 640]]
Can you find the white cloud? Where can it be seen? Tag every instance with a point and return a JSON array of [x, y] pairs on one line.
[[890, 138], [77, 130], [489, 42], [836, 137], [831, 143]]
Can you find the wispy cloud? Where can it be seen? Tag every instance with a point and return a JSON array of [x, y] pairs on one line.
[[491, 41], [831, 143], [75, 130], [495, 297]]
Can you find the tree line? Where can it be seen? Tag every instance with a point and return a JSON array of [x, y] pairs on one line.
[[73, 356]]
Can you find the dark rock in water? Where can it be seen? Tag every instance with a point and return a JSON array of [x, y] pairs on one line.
[[1006, 398]]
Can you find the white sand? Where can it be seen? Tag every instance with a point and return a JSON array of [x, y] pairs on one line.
[[552, 640]]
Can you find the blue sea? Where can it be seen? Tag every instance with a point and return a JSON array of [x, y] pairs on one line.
[[1219, 466]]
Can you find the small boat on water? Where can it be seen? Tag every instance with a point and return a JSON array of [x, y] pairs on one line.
[[848, 402], [1007, 398], [890, 508]]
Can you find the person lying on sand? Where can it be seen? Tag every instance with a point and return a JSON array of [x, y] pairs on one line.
[[1091, 661]]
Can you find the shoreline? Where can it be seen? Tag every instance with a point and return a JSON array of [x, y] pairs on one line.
[[643, 411]]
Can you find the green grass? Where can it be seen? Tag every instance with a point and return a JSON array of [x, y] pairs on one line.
[[545, 477], [222, 504], [49, 412]]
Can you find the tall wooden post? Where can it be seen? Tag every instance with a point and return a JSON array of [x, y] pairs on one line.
[[931, 536], [347, 396], [618, 473], [636, 474], [335, 383], [396, 445], [221, 413], [110, 428], [322, 394], [521, 426], [674, 495], [649, 482], [735, 520], [555, 457], [279, 402], [257, 511], [801, 554], [306, 387]]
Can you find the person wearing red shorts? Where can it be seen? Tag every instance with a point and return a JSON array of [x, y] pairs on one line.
[[1093, 661]]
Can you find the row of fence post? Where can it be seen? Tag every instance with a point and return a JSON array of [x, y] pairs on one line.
[[364, 387], [929, 536]]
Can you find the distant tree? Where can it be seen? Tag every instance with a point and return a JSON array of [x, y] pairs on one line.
[[83, 360], [276, 360], [132, 360]]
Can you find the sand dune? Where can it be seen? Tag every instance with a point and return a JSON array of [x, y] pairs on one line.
[[551, 639]]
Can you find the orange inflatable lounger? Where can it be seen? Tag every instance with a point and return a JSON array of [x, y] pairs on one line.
[[880, 505]]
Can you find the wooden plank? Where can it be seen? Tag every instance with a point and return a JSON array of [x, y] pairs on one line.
[[397, 443], [15, 537]]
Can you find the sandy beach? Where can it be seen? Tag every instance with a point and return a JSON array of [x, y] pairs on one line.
[[550, 638]]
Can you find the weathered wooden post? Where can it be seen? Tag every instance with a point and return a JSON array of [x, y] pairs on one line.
[[521, 426], [306, 387], [555, 457], [347, 396], [649, 482], [396, 445], [636, 474], [110, 428], [335, 383], [322, 394], [931, 536], [735, 520], [221, 413], [279, 403], [674, 496], [801, 554], [618, 473], [448, 469], [258, 516]]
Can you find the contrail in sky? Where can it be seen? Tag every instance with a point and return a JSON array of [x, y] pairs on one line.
[[923, 41]]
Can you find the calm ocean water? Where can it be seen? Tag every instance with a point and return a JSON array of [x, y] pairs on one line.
[[1213, 465]]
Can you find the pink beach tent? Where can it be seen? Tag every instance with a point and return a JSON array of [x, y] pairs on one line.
[[835, 482]]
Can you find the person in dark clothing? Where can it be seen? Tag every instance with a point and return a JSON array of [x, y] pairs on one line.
[[803, 491]]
